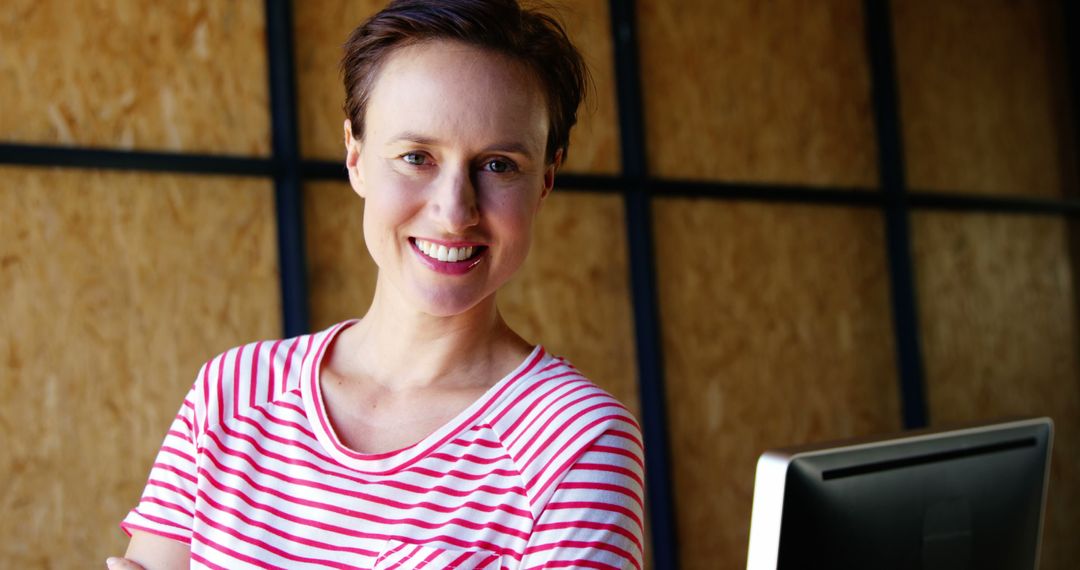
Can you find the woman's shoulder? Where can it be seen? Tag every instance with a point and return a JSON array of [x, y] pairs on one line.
[[556, 388], [554, 417], [258, 372], [555, 402]]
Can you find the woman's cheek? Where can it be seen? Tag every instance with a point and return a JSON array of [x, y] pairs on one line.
[[516, 204]]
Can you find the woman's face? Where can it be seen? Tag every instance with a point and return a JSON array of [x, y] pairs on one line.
[[452, 171]]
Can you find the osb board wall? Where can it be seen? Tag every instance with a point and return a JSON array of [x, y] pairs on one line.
[[776, 331], [341, 273], [571, 295], [981, 95], [116, 288], [594, 142], [322, 26], [178, 76], [1000, 338], [757, 91]]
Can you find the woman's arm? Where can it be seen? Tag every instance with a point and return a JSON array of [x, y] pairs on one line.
[[160, 525], [594, 517], [152, 552]]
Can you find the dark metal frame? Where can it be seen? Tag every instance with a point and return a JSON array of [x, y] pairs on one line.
[[897, 223], [145, 161], [895, 201], [287, 180], [638, 205]]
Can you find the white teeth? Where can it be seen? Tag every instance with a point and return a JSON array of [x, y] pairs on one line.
[[443, 253]]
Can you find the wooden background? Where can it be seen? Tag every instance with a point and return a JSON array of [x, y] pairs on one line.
[[776, 320]]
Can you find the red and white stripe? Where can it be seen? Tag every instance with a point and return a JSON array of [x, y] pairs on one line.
[[544, 470]]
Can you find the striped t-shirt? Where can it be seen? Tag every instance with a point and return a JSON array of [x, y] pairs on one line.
[[544, 470]]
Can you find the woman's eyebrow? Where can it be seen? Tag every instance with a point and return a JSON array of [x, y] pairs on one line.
[[413, 137], [508, 147]]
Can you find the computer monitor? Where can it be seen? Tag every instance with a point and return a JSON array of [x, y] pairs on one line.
[[969, 497]]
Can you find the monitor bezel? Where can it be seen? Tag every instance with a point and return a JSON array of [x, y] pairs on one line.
[[772, 469]]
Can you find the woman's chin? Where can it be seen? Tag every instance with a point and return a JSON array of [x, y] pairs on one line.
[[450, 304]]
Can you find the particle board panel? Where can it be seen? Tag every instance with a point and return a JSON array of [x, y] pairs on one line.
[[174, 76], [322, 26], [771, 92], [776, 331], [981, 95], [997, 307], [341, 273], [573, 295], [594, 142], [117, 287]]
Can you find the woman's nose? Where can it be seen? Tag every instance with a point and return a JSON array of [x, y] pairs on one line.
[[455, 203]]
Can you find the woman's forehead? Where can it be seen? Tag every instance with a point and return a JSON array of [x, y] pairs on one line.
[[445, 89]]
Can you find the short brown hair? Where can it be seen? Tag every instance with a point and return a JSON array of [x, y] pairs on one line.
[[532, 37]]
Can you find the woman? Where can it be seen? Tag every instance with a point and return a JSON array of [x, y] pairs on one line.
[[427, 433]]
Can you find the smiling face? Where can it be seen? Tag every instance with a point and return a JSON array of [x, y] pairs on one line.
[[452, 171]]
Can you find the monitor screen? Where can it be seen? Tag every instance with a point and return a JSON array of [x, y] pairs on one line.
[[952, 499]]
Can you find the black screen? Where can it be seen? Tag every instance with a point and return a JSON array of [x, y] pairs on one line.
[[971, 501]]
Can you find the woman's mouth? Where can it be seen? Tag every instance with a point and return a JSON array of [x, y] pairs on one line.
[[440, 252]]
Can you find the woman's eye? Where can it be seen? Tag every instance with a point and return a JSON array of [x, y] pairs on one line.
[[414, 158], [499, 166]]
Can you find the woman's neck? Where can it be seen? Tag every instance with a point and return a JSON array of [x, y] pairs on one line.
[[401, 348]]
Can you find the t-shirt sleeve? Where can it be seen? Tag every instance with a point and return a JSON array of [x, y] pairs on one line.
[[167, 506], [593, 518]]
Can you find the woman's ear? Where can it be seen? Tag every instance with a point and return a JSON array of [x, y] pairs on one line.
[[352, 160], [549, 174]]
